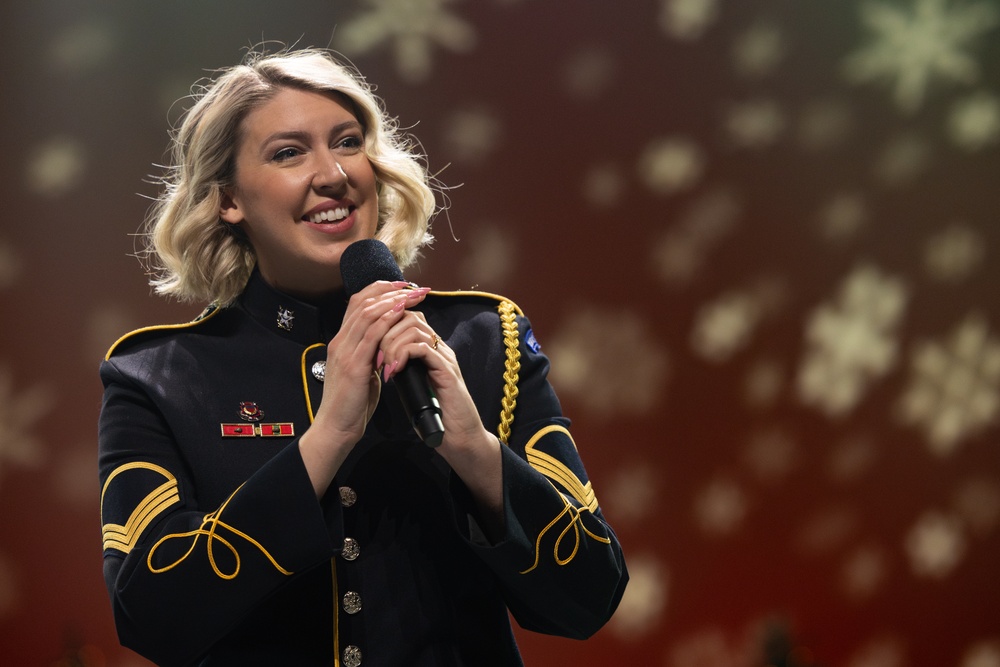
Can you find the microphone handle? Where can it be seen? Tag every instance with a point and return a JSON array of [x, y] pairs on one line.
[[421, 405]]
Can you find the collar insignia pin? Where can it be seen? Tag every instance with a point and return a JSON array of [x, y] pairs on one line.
[[285, 318]]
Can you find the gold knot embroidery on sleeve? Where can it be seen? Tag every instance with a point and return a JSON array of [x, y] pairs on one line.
[[209, 527]]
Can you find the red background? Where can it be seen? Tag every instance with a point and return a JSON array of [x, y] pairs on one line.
[[677, 308]]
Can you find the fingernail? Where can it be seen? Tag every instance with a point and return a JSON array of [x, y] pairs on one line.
[[418, 293], [388, 371], [399, 306], [379, 358], [400, 284]]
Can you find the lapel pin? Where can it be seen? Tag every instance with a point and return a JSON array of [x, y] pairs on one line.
[[285, 318]]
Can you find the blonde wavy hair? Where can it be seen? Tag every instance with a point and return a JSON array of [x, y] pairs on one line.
[[191, 254]]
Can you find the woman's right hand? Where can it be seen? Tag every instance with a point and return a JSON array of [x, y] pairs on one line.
[[352, 386]]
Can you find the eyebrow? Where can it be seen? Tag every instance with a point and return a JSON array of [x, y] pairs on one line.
[[301, 135]]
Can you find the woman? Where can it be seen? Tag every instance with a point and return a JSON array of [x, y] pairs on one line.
[[264, 498]]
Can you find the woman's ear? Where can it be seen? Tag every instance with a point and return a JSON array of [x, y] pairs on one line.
[[229, 210]]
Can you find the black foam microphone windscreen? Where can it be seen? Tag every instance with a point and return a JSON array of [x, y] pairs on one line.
[[367, 261], [361, 264]]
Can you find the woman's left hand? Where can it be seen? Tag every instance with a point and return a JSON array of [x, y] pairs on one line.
[[471, 451]]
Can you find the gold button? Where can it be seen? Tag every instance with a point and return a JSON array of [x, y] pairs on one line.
[[352, 602], [319, 370], [351, 549], [352, 656], [347, 496]]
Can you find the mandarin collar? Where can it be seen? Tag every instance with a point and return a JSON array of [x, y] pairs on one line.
[[290, 318]]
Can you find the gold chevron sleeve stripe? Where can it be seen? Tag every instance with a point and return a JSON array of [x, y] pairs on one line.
[[124, 538], [557, 471]]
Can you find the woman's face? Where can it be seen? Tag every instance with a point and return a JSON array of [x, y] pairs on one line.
[[304, 189]]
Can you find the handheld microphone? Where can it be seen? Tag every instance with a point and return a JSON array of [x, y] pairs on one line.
[[362, 263]]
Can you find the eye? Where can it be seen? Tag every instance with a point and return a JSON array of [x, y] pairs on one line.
[[351, 143], [286, 154]]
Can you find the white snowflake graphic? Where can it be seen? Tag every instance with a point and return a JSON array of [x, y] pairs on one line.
[[676, 257], [824, 124], [687, 19], [645, 598], [712, 648], [720, 507], [954, 253], [912, 48], [72, 480], [982, 654], [954, 391], [843, 216], [620, 369], [588, 73], [826, 530], [755, 123], [724, 326], [472, 134], [19, 410], [851, 459], [83, 46], [977, 502], [105, 324], [411, 27], [670, 165], [680, 251], [603, 185], [630, 494], [759, 49], [974, 122], [935, 545], [851, 342], [902, 160], [771, 454], [56, 167], [863, 572], [882, 652], [490, 258]]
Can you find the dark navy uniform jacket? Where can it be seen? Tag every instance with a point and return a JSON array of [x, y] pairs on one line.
[[217, 552]]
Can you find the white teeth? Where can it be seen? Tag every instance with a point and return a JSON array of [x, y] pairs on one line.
[[329, 216]]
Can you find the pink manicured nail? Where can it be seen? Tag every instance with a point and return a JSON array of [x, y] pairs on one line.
[[379, 358], [400, 284], [419, 292], [399, 306], [388, 371]]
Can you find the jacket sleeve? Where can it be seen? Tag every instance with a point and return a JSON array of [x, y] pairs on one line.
[[560, 564], [180, 575]]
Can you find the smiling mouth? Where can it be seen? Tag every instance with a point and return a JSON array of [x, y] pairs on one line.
[[329, 216]]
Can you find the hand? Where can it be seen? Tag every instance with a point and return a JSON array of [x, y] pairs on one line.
[[471, 451], [352, 387]]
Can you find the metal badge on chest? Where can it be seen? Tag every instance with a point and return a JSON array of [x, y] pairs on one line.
[[252, 426]]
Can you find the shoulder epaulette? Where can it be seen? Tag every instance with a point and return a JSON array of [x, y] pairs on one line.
[[493, 299], [204, 316]]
